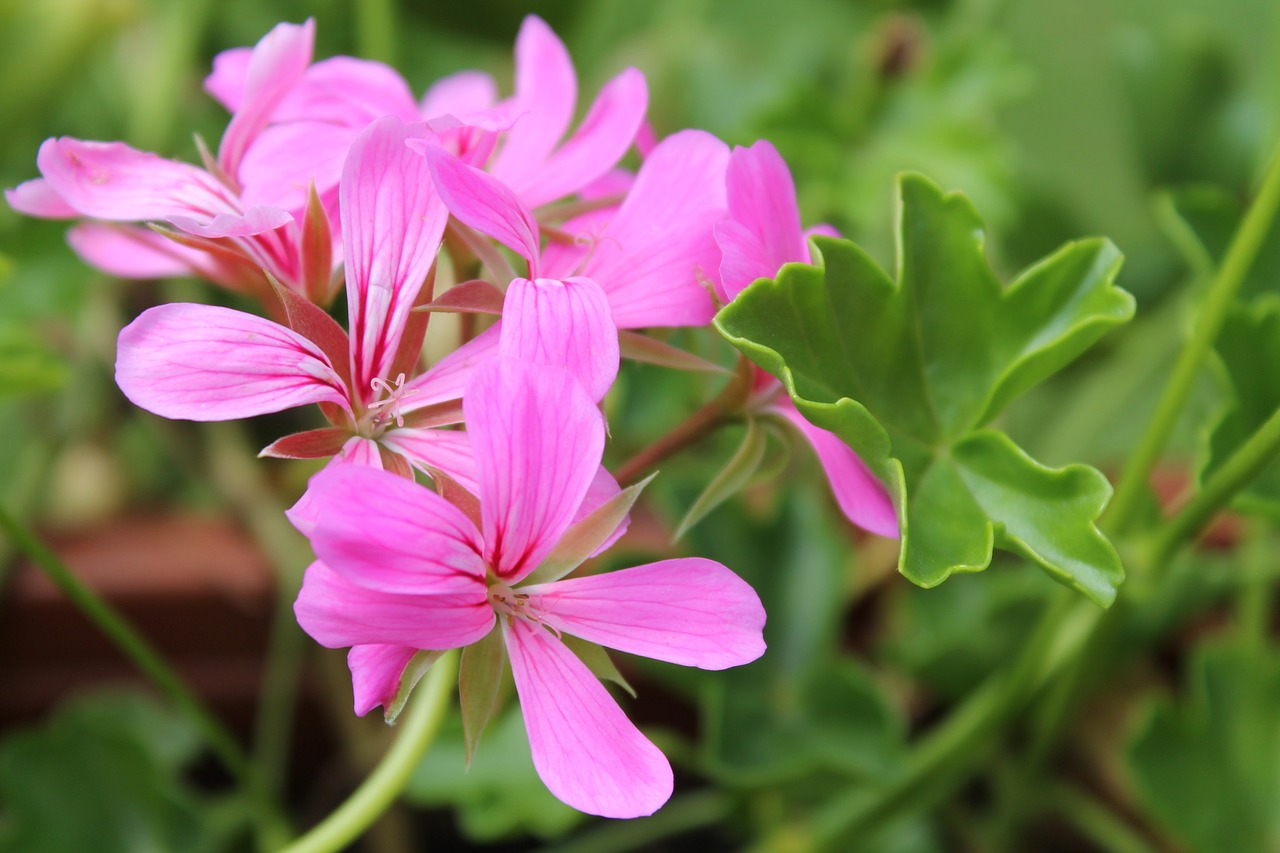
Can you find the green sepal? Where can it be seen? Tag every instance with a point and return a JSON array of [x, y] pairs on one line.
[[731, 479], [909, 371], [598, 661], [479, 677], [409, 678], [584, 538]]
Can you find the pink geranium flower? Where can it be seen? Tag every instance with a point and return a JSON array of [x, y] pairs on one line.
[[401, 569], [762, 232]]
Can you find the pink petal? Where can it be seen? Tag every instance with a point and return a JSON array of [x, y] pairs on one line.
[[764, 229], [38, 198], [286, 159], [862, 497], [389, 534], [392, 222], [657, 254], [447, 450], [598, 144], [227, 80], [278, 62], [358, 450], [562, 323], [603, 488], [538, 439], [337, 613], [484, 203], [584, 748], [458, 94], [348, 91], [375, 674], [110, 180], [448, 377], [257, 220], [689, 611], [547, 92], [130, 251], [207, 363]]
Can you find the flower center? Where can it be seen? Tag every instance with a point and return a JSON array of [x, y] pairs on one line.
[[387, 409], [515, 605]]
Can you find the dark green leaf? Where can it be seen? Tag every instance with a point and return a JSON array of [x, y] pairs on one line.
[[479, 677]]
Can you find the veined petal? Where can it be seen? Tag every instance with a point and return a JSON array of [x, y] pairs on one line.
[[131, 251], [597, 145], [547, 92], [862, 498], [110, 180], [256, 220], [386, 533], [276, 65], [357, 450], [483, 202], [375, 674], [207, 363], [565, 323], [762, 205], [38, 198], [337, 613], [538, 439], [655, 257], [447, 450], [448, 377], [689, 611], [459, 94], [584, 748], [392, 222]]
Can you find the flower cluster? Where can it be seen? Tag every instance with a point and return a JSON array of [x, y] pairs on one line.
[[331, 173]]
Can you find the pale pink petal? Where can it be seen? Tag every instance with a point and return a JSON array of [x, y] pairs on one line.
[[655, 257], [822, 229], [383, 532], [227, 80], [597, 145], [689, 611], [257, 220], [547, 92], [862, 498], [358, 450], [277, 64], [584, 748], [446, 450], [287, 159], [349, 91], [110, 180], [392, 222], [484, 203], [208, 363], [448, 378], [538, 439], [337, 613], [130, 251], [458, 94], [762, 205], [375, 674], [38, 198], [565, 323]]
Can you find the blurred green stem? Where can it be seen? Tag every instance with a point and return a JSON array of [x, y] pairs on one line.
[[376, 29], [1095, 820], [1218, 299], [153, 666], [417, 729]]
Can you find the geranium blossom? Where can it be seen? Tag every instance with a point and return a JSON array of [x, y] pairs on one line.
[[400, 569]]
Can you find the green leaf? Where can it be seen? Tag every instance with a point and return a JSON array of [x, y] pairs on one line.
[[908, 373], [479, 677], [26, 364], [735, 476], [409, 678], [1208, 767]]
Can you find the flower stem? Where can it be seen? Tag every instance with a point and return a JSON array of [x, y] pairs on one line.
[[418, 727], [1221, 294]]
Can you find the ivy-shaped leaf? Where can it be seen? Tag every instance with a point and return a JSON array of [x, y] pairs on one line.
[[910, 373]]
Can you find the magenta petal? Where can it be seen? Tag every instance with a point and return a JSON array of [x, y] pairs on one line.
[[598, 144], [562, 323], [277, 63], [110, 180], [130, 251], [392, 222], [762, 205], [448, 377], [207, 363], [538, 439], [286, 159], [547, 92], [689, 611], [446, 450], [862, 498], [358, 450], [375, 674], [39, 198], [657, 255], [337, 613], [386, 533], [588, 754], [227, 80], [484, 203], [459, 94]]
